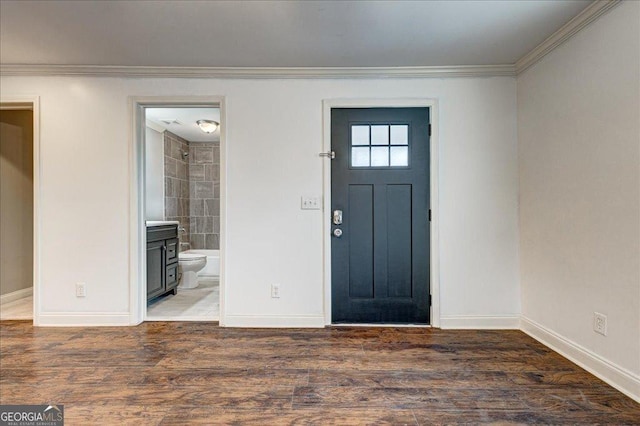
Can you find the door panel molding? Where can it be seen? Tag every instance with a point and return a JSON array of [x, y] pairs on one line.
[[430, 103]]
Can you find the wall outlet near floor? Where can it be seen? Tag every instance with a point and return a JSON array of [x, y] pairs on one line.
[[275, 291], [600, 323], [80, 290]]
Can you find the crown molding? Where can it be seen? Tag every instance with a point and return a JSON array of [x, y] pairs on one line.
[[259, 73], [584, 18]]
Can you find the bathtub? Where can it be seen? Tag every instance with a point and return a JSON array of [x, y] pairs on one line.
[[212, 269]]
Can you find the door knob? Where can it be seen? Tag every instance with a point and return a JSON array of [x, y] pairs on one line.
[[337, 232]]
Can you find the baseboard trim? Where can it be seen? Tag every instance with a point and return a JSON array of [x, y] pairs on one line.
[[16, 295], [480, 322], [377, 325], [274, 321], [187, 318], [616, 376], [84, 319]]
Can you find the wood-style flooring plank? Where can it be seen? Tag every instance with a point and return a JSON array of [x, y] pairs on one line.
[[344, 417], [212, 377], [435, 399], [114, 414], [175, 373], [409, 379], [194, 396]]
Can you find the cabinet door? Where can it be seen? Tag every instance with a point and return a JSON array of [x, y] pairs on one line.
[[155, 269]]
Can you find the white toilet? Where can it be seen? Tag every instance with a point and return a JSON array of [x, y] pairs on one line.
[[190, 264]]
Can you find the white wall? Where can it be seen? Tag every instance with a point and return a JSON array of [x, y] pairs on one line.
[[579, 158], [154, 174], [274, 135]]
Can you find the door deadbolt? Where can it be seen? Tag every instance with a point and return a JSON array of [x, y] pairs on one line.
[[337, 217]]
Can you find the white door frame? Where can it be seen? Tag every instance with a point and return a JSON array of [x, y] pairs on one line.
[[32, 102], [137, 228], [434, 251]]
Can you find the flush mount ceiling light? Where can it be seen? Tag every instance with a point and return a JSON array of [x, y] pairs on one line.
[[207, 126]]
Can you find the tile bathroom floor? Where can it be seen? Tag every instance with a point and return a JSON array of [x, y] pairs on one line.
[[20, 309], [199, 304]]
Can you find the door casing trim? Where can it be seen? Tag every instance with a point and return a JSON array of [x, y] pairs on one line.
[[137, 228], [434, 252], [32, 102]]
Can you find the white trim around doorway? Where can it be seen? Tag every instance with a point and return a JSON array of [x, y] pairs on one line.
[[434, 252], [32, 102], [137, 228]]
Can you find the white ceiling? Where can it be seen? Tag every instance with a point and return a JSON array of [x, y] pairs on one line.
[[186, 118], [277, 33]]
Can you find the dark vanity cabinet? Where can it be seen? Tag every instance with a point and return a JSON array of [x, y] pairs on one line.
[[162, 260]]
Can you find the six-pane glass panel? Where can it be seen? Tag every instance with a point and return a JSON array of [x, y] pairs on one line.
[[380, 145]]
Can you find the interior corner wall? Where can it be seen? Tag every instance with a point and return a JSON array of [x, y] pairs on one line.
[[16, 201], [273, 137], [579, 166]]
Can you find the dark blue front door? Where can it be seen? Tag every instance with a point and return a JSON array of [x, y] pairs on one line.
[[380, 215]]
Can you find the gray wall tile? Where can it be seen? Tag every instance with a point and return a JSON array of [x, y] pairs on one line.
[[197, 207], [182, 170], [192, 190], [170, 168], [211, 207], [204, 189], [216, 155], [212, 242], [203, 155], [196, 172], [197, 241], [204, 225], [184, 189], [171, 207], [176, 148], [176, 172]]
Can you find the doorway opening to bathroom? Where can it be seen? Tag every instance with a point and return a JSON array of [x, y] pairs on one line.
[[18, 174], [180, 198]]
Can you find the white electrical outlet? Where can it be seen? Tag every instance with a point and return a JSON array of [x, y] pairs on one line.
[[80, 290], [600, 323], [275, 291], [310, 203]]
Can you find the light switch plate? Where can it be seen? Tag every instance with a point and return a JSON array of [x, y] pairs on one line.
[[81, 290], [310, 203]]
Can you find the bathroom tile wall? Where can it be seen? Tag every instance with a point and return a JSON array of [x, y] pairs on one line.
[[176, 182], [204, 192]]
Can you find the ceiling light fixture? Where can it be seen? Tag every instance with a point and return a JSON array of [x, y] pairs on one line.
[[207, 126]]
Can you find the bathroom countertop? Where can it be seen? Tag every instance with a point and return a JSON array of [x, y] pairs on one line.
[[151, 223]]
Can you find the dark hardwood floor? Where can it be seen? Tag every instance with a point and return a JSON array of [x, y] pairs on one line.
[[197, 373]]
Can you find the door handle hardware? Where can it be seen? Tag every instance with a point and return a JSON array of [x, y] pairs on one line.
[[328, 154], [337, 217], [337, 232]]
